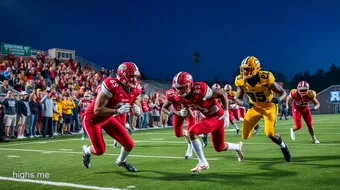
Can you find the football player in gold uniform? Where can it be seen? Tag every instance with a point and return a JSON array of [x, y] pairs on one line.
[[259, 86]]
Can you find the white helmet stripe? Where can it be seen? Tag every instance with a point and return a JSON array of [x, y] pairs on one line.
[[245, 62], [177, 76], [303, 84], [135, 66]]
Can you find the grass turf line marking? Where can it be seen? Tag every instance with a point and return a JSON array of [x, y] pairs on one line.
[[13, 156], [59, 184], [68, 152]]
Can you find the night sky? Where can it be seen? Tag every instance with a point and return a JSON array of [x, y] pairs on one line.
[[287, 36]]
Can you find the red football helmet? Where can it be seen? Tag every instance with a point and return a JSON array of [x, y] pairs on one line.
[[216, 86], [227, 88], [128, 74], [182, 83], [303, 87]]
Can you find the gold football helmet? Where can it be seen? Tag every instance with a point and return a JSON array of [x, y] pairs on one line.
[[249, 67]]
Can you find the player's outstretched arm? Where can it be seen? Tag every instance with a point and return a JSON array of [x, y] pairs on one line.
[[239, 96], [279, 90], [220, 94], [316, 103], [99, 107], [166, 106]]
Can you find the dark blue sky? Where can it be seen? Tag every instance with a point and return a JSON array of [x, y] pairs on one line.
[[286, 36]]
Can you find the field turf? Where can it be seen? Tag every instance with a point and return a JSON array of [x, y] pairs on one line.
[[159, 157]]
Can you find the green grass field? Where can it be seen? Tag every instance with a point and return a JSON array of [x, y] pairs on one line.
[[159, 157]]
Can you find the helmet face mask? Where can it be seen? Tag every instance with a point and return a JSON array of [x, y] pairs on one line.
[[182, 83], [227, 88], [303, 88], [249, 67], [128, 74]]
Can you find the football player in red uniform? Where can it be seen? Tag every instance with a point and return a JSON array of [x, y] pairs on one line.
[[172, 99], [300, 107], [233, 107], [114, 99], [199, 96]]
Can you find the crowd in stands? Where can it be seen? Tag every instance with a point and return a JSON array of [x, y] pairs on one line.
[[42, 97]]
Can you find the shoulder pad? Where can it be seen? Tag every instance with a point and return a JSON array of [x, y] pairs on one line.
[[199, 89], [266, 78], [312, 94], [109, 86], [292, 92], [170, 94]]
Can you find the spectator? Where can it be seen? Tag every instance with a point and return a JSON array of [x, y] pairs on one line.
[[47, 114], [11, 109], [35, 108], [56, 112], [7, 73], [23, 114], [68, 105], [4, 87]]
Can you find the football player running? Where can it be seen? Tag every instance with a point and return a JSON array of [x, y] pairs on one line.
[[300, 107], [108, 112], [233, 107], [259, 86], [199, 96], [178, 120]]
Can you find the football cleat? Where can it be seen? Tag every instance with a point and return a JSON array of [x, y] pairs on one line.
[[115, 144], [187, 156], [127, 166], [256, 130], [86, 158], [205, 140], [199, 167], [286, 153], [315, 141], [292, 134], [239, 153], [237, 131]]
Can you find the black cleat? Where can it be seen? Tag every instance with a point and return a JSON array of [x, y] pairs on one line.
[[237, 131], [256, 130], [86, 158], [127, 166], [129, 130], [205, 140], [286, 153]]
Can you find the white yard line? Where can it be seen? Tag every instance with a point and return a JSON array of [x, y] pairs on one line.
[[35, 142], [59, 184], [68, 152]]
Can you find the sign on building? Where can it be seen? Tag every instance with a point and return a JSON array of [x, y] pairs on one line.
[[15, 49]]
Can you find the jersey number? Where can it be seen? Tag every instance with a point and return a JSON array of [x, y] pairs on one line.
[[257, 96]]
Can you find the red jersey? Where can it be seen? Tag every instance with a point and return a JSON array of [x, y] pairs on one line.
[[112, 88], [301, 102], [201, 100], [171, 97], [145, 106], [84, 105]]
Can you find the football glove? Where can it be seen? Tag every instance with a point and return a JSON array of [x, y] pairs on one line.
[[183, 112], [123, 109], [247, 105], [275, 100]]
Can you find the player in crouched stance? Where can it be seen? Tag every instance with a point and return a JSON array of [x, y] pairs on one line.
[[300, 107], [259, 86], [178, 120], [199, 96], [108, 112]]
